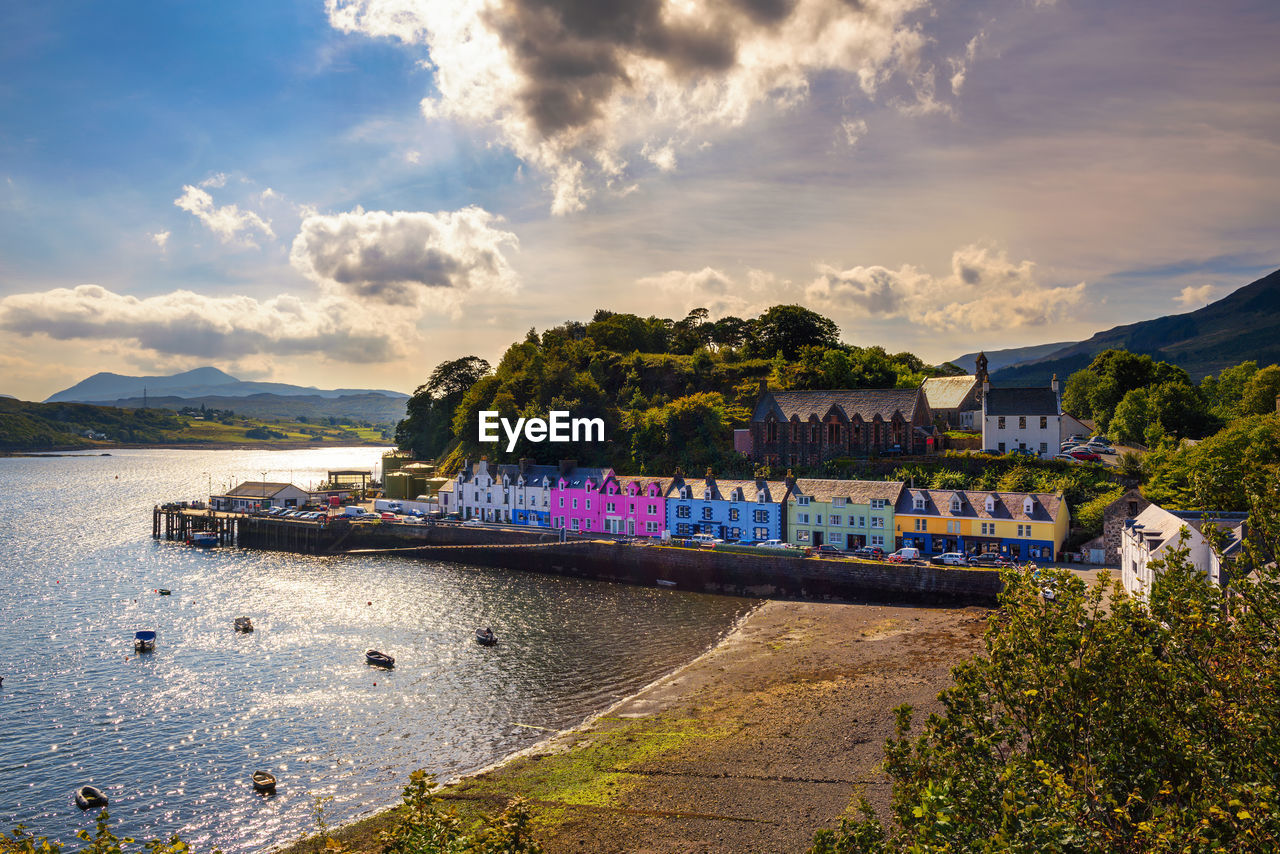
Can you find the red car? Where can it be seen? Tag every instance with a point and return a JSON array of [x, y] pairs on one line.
[[1088, 456]]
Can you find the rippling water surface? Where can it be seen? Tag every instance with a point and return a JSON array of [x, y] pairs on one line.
[[172, 736]]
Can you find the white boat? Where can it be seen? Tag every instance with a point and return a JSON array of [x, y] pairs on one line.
[[144, 641]]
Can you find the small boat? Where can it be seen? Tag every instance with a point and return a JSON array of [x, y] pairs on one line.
[[204, 539], [90, 797], [243, 624], [144, 641], [379, 659], [486, 637], [264, 781], [165, 592], [662, 582]]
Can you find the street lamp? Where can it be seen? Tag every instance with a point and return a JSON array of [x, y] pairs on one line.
[[264, 488]]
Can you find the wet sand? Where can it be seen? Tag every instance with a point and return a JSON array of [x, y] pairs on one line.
[[770, 736]]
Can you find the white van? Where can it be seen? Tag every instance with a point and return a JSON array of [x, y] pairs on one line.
[[903, 555]]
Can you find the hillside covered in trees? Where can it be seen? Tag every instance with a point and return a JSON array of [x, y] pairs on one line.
[[670, 392]]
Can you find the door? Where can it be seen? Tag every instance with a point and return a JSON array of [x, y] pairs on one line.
[[631, 527], [817, 538]]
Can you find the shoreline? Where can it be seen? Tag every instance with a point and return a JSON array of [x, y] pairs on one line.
[[99, 450], [787, 712]]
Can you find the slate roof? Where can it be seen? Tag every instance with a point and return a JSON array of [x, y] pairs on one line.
[[1022, 401], [533, 475], [1046, 506], [625, 480], [1160, 526], [722, 490], [578, 477], [947, 392], [259, 489], [863, 402], [856, 491]]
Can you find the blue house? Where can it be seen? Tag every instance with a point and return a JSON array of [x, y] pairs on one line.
[[727, 509]]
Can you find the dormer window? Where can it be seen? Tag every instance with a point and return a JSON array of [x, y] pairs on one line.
[[760, 497], [991, 504], [706, 495], [917, 503], [955, 504], [802, 500], [1027, 505], [838, 502], [685, 492]]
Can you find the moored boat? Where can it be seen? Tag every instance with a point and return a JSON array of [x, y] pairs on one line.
[[144, 641], [486, 637], [90, 797], [662, 582], [379, 659], [243, 624], [203, 539], [164, 591], [264, 781]]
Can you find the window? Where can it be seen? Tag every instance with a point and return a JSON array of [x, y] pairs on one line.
[[771, 431], [588, 503], [802, 536], [653, 508], [575, 523], [706, 512], [833, 433], [835, 538], [651, 527], [878, 521], [544, 500], [1044, 422], [838, 502], [1000, 447], [735, 533], [520, 499], [953, 527], [588, 524], [991, 503], [682, 511], [760, 516], [760, 497], [1022, 422], [878, 503], [834, 520], [817, 520], [955, 505], [562, 501], [988, 529], [1000, 423], [610, 507], [1044, 448], [917, 503], [706, 495], [575, 504], [733, 514], [878, 540], [802, 500], [682, 528], [862, 522], [922, 525], [802, 518], [760, 533]]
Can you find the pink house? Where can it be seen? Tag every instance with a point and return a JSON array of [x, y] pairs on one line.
[[634, 506], [576, 500]]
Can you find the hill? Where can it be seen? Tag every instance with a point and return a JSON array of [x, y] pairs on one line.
[[202, 382], [1242, 325], [998, 359], [371, 407]]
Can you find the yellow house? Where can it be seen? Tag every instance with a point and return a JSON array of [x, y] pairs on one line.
[[1018, 525]]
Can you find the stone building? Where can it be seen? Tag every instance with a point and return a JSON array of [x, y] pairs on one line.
[[790, 428]]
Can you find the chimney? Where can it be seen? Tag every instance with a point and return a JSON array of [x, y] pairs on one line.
[[525, 463], [764, 385], [1056, 393]]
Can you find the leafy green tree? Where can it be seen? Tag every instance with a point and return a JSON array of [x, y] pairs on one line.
[[1212, 474], [1260, 392], [787, 328], [428, 427]]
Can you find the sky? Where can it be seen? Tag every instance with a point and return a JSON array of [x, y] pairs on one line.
[[345, 193]]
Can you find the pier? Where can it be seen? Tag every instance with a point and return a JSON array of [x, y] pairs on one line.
[[758, 573]]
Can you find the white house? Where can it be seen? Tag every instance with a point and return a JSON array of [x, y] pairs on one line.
[[259, 495], [1155, 533], [528, 487], [1022, 418], [479, 493]]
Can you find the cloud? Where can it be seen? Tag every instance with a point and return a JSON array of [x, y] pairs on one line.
[[985, 291], [160, 238], [1193, 295], [189, 324], [716, 291], [228, 221], [398, 258], [217, 180], [576, 89]]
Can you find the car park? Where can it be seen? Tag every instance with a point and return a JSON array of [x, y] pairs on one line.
[[949, 559], [869, 552]]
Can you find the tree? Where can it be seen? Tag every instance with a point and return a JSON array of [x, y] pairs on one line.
[[787, 328], [1260, 392], [1097, 723], [427, 428]]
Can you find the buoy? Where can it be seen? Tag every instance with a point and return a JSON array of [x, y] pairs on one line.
[[370, 603]]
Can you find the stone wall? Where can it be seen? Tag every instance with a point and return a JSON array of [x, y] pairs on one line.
[[1125, 507]]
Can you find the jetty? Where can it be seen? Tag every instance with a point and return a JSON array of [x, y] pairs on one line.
[[736, 571]]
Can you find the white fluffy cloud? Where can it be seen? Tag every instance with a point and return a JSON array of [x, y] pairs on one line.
[[1194, 296], [160, 238], [985, 291], [398, 257], [578, 89], [716, 291], [189, 324], [228, 222]]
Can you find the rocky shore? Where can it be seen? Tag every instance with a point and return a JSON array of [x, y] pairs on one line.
[[770, 736]]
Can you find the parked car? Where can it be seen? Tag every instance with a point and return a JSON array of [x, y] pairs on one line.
[[774, 544], [949, 559], [1091, 456], [869, 552], [992, 560], [473, 522], [1066, 458], [903, 555], [1022, 452], [992, 452], [828, 550], [706, 541]]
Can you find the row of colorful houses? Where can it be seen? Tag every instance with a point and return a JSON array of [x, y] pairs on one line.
[[847, 514]]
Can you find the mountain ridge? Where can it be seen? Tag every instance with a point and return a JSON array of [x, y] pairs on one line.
[[208, 381]]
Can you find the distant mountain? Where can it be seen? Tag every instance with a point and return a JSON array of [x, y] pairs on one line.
[[1243, 325], [997, 359], [374, 407], [201, 382]]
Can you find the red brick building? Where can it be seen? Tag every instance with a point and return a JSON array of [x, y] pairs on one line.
[[807, 427]]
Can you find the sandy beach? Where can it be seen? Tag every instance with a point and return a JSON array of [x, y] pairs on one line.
[[768, 737]]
